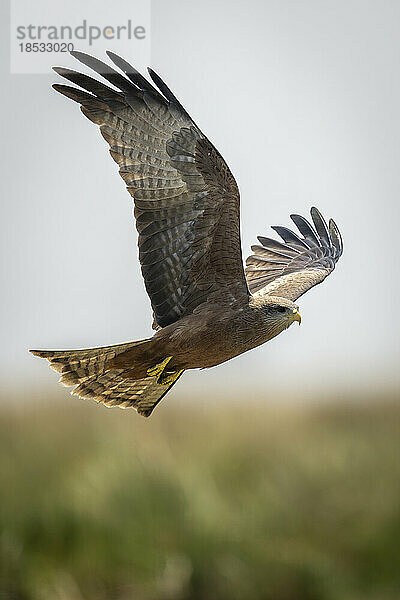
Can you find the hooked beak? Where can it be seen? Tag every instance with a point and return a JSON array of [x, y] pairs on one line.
[[296, 316]]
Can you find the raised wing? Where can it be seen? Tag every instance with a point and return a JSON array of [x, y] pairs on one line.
[[186, 199], [291, 268]]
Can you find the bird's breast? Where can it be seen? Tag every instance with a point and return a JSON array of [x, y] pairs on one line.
[[196, 343]]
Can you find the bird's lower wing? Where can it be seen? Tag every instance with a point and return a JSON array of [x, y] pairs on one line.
[[290, 268]]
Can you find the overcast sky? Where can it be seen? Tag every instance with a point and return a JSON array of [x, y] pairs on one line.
[[302, 100]]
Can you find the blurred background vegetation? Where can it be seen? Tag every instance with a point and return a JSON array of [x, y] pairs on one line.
[[200, 502]]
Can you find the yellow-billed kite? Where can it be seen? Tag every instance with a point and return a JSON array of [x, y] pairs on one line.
[[207, 307]]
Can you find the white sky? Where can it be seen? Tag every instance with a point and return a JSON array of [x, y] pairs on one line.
[[302, 99]]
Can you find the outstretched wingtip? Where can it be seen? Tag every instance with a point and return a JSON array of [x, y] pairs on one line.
[[336, 236], [117, 60], [112, 55], [78, 54], [314, 210], [320, 226], [60, 70], [156, 78]]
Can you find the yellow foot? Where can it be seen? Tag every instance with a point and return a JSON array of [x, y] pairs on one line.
[[158, 369], [169, 378]]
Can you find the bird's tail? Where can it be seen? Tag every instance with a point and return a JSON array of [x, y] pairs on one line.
[[89, 372]]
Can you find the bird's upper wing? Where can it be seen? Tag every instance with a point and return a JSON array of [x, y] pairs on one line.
[[186, 199], [291, 268]]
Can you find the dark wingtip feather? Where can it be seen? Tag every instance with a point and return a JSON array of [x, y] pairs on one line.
[[164, 89], [94, 63], [321, 226], [94, 86], [79, 55], [121, 62], [73, 93], [305, 228], [336, 237], [134, 75], [271, 244], [61, 70], [104, 70], [289, 237]]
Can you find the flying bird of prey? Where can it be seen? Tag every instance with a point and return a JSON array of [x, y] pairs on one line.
[[207, 307]]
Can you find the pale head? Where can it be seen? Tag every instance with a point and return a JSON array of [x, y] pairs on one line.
[[278, 313]]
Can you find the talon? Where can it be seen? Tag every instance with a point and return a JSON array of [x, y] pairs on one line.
[[169, 378], [158, 369]]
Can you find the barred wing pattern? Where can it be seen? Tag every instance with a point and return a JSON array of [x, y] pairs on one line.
[[291, 268], [186, 199]]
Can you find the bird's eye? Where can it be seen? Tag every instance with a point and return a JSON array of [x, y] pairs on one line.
[[281, 309]]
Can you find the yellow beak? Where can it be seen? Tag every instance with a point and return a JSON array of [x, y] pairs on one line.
[[296, 316]]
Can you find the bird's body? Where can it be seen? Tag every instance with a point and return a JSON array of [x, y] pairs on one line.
[[207, 308], [206, 338]]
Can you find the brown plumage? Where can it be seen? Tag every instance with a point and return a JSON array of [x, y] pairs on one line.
[[207, 308]]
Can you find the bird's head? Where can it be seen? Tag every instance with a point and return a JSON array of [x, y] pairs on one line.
[[278, 313]]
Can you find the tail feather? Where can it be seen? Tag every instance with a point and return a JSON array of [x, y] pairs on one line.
[[112, 389], [89, 372]]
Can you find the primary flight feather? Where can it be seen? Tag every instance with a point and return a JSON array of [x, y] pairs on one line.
[[207, 307]]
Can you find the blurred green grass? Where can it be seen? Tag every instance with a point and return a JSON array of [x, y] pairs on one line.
[[206, 503]]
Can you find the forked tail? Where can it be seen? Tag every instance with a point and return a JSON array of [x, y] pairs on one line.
[[89, 372]]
